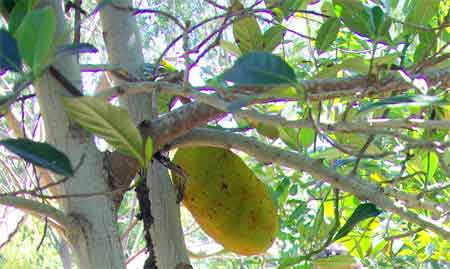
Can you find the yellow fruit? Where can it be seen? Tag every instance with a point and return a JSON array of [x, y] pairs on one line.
[[227, 200]]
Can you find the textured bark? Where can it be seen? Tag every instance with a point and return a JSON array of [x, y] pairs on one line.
[[124, 48], [97, 246]]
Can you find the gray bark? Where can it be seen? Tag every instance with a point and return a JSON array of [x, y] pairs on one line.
[[98, 245], [124, 48]]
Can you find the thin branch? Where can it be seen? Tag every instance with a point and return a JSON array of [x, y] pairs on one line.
[[12, 233], [42, 210], [400, 236]]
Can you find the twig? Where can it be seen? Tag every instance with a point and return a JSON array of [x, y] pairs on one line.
[[14, 232]]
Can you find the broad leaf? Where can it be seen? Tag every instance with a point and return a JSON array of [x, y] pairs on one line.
[[40, 154], [273, 37], [405, 101], [307, 136], [246, 31], [327, 33], [109, 122], [9, 53], [354, 15], [362, 212], [35, 37], [380, 24], [16, 16], [290, 136], [420, 13], [260, 68]]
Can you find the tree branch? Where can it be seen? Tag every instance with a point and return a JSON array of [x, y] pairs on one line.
[[171, 125], [58, 218], [265, 153]]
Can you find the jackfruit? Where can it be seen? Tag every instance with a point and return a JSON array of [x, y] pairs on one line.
[[227, 200]]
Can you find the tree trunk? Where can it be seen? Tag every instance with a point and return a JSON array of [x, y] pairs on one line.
[[97, 246], [124, 49]]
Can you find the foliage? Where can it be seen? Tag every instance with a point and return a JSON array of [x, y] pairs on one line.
[[358, 87]]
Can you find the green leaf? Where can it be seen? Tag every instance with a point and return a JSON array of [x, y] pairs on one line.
[[420, 13], [260, 68], [327, 33], [267, 131], [380, 24], [9, 53], [148, 149], [109, 122], [16, 16], [246, 31], [362, 212], [405, 101], [7, 5], [354, 15], [289, 136], [40, 154], [307, 136], [35, 37], [286, 7], [273, 37], [336, 262], [230, 47]]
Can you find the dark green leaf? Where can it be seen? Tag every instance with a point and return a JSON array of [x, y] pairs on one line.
[[260, 68], [9, 53], [76, 48], [380, 24], [327, 33], [16, 16], [8, 5], [405, 101], [40, 154], [362, 212]]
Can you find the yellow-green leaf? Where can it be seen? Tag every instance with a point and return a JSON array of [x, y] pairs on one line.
[[109, 122], [247, 32], [148, 149]]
